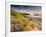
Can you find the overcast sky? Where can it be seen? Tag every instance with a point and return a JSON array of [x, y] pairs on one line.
[[26, 8]]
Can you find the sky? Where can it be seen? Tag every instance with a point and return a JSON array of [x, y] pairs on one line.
[[26, 8]]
